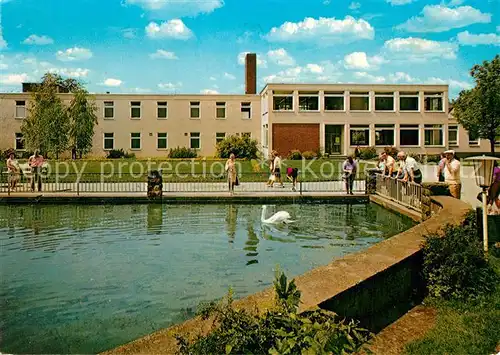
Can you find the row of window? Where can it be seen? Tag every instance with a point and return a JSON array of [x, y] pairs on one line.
[[409, 135], [161, 109], [358, 101]]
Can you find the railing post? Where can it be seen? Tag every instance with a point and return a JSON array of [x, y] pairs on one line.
[[78, 188], [300, 187], [8, 186]]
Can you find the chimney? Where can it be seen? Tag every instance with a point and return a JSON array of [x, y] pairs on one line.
[[251, 74]]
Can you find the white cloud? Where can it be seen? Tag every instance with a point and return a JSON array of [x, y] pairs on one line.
[[280, 57], [112, 82], [455, 85], [401, 77], [177, 8], [366, 77], [3, 43], [359, 60], [315, 68], [261, 62], [399, 2], [312, 72], [13, 79], [213, 78], [169, 86], [419, 49], [129, 33], [74, 54], [456, 2], [140, 90], [229, 76], [354, 5], [162, 54], [440, 18], [468, 39], [175, 29], [324, 31], [38, 40], [69, 72], [209, 92]]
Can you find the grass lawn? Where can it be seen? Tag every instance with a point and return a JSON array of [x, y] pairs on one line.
[[322, 169], [463, 327]]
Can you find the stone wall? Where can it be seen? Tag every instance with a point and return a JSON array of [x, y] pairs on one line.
[[432, 189]]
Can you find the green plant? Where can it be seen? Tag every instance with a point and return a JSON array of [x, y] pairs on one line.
[[242, 147], [418, 157], [309, 155], [295, 155], [368, 153], [182, 153], [455, 266], [279, 331], [433, 158], [392, 151], [115, 154]]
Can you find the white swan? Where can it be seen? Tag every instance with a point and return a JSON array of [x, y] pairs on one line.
[[278, 217]]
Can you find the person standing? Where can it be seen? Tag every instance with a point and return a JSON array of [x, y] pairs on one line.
[[277, 168], [271, 179], [349, 167], [357, 152], [13, 170], [441, 164], [451, 172], [232, 174], [409, 169], [36, 162], [494, 190]]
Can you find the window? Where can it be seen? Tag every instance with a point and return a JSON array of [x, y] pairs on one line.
[[219, 137], [409, 135], [135, 141], [433, 101], [453, 136], [246, 135], [135, 109], [433, 134], [282, 101], [266, 135], [21, 109], [161, 141], [360, 101], [195, 140], [109, 109], [334, 101], [162, 110], [20, 141], [308, 101], [473, 139], [109, 141], [408, 101], [384, 135], [246, 110], [220, 110], [195, 109], [360, 135], [384, 101]]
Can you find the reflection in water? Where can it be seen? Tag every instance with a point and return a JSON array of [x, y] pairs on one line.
[[82, 279]]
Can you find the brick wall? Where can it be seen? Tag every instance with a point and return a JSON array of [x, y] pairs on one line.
[[287, 137], [251, 73]]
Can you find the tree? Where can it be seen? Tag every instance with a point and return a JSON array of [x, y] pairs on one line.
[[478, 109], [82, 113]]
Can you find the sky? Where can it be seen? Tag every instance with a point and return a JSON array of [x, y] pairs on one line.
[[198, 46]]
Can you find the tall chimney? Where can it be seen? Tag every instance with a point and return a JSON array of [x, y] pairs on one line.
[[251, 74]]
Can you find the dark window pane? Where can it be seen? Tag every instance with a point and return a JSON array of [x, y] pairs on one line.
[[408, 103], [334, 103], [360, 103], [360, 136], [283, 103], [384, 103], [409, 137]]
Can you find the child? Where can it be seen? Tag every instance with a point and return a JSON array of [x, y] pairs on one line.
[[292, 174], [270, 182]]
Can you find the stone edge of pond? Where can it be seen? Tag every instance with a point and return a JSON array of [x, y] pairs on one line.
[[201, 198], [323, 284]]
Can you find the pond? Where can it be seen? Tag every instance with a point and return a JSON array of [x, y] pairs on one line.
[[83, 279]]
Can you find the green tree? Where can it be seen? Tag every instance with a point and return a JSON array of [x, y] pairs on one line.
[[82, 113], [478, 109]]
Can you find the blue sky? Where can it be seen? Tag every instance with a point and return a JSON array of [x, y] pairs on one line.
[[197, 46]]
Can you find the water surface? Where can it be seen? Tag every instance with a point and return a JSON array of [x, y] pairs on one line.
[[83, 279]]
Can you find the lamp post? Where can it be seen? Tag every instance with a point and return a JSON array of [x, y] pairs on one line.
[[483, 170]]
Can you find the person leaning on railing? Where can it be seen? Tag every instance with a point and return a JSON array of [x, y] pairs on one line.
[[451, 171], [388, 164], [409, 169]]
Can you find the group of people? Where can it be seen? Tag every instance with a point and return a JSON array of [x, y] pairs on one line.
[[35, 162]]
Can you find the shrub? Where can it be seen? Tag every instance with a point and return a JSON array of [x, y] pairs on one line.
[[279, 331], [368, 153], [309, 155], [433, 158], [392, 151], [115, 154], [418, 157], [295, 155], [455, 266], [243, 147], [182, 153]]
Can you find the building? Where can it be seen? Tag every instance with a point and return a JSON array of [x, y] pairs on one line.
[[330, 118]]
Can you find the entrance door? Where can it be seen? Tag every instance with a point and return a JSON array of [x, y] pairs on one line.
[[333, 139]]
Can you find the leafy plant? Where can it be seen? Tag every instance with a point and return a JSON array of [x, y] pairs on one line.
[[308, 155], [182, 153], [295, 155], [116, 154], [83, 115], [279, 331], [242, 147], [455, 266], [368, 153], [418, 157], [433, 158], [392, 151]]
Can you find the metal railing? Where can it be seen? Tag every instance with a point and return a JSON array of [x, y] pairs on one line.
[[408, 194], [188, 182]]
